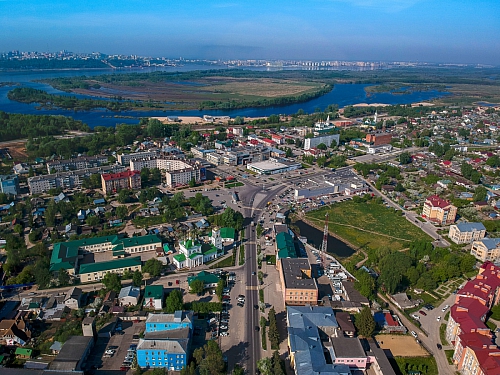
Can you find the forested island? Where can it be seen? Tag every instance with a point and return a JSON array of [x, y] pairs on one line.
[[15, 126]]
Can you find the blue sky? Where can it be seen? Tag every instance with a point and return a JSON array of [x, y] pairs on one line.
[[456, 31]]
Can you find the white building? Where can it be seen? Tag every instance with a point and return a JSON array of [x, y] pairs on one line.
[[192, 253], [326, 140], [466, 232], [272, 166]]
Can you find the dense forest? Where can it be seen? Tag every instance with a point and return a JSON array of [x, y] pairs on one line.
[[15, 126]]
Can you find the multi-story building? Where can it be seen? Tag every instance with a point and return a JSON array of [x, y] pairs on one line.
[[377, 139], [68, 255], [326, 140], [96, 271], [124, 159], [67, 180], [154, 297], [114, 182], [466, 232], [297, 285], [309, 327], [439, 210], [487, 249], [474, 352], [179, 173], [83, 162], [166, 342], [9, 184]]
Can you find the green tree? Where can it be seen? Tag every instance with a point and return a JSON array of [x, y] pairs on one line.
[[321, 146], [237, 370], [121, 212], [334, 144], [480, 194], [42, 273], [18, 228], [220, 289], [92, 221], [196, 287], [137, 278], [365, 284], [192, 182], [365, 324], [259, 230], [153, 266], [277, 364], [209, 359], [321, 161], [274, 336], [174, 301], [405, 158], [112, 281], [63, 278], [190, 369], [124, 196]]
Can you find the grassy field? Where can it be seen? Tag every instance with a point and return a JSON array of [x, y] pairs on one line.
[[423, 365], [368, 225], [449, 355]]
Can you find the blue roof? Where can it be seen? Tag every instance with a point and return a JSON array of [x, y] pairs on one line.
[[99, 201], [490, 243], [305, 342], [469, 227]]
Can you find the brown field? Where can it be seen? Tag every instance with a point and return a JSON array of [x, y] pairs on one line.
[[17, 149], [212, 88], [401, 345]]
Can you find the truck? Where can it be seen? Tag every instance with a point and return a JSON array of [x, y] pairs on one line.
[[252, 223]]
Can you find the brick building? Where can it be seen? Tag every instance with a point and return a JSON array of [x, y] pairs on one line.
[[114, 182]]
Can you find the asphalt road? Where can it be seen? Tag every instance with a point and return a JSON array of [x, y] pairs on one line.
[[252, 211]]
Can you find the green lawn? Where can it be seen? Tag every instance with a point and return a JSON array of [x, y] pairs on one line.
[[424, 365], [271, 259], [449, 355], [241, 259], [227, 262], [442, 334], [492, 326], [380, 227], [234, 184]]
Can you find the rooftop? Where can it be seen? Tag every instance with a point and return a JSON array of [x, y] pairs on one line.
[[153, 291], [347, 347], [294, 274], [110, 265], [470, 227]]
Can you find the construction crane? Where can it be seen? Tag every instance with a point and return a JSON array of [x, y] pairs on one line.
[[324, 244]]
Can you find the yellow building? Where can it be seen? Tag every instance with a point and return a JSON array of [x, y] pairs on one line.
[[466, 232], [439, 211], [486, 249], [96, 271]]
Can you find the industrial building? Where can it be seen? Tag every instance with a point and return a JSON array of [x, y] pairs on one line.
[[273, 166]]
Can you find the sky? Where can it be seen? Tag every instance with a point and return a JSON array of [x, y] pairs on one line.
[[448, 31]]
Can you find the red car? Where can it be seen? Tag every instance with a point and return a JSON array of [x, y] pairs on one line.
[[124, 368], [423, 313], [177, 282]]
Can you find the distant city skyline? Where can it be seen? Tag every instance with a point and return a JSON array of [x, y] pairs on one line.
[[447, 31]]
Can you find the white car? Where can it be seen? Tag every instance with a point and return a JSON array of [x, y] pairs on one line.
[[444, 308], [415, 316], [438, 318], [414, 334]]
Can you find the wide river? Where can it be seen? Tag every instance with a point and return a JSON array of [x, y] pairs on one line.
[[342, 95]]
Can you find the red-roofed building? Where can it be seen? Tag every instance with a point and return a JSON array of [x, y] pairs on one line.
[[268, 141], [278, 139], [439, 210], [390, 320], [113, 182], [474, 351]]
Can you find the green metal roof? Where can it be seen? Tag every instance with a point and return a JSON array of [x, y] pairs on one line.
[[180, 257], [227, 233], [190, 243], [285, 246], [206, 277], [153, 291], [33, 305], [194, 255], [208, 249], [24, 351], [118, 252], [110, 265], [139, 241]]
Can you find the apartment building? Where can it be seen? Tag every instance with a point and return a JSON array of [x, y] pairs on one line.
[[487, 249], [96, 271], [9, 184], [439, 211], [326, 140], [179, 173], [124, 159], [67, 180], [83, 162], [160, 162], [466, 232], [297, 285], [114, 182]]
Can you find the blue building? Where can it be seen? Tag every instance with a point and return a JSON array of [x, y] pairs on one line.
[[9, 184], [166, 341]]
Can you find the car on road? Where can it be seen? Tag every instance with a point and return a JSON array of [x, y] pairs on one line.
[[253, 273], [415, 316], [240, 304], [257, 328], [438, 318], [422, 312], [439, 346], [445, 308], [124, 368], [414, 334]]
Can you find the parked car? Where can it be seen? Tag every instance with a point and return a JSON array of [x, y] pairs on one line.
[[414, 334], [422, 312]]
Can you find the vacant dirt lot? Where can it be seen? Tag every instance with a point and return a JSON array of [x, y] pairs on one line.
[[401, 346]]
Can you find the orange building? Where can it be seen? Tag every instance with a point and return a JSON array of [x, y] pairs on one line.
[[297, 285], [377, 139]]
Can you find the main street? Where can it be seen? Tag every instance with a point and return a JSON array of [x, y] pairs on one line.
[[253, 200]]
